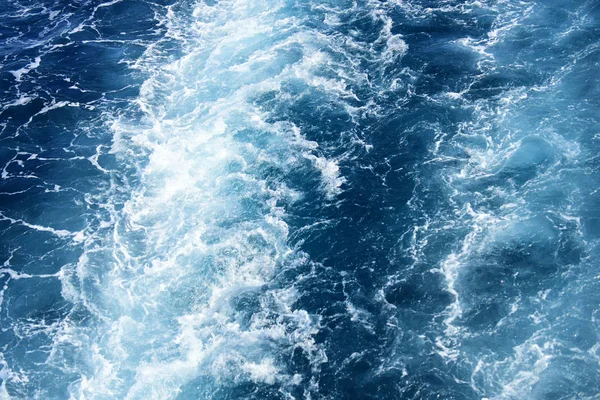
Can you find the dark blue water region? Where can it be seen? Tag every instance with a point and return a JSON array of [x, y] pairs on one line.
[[300, 200]]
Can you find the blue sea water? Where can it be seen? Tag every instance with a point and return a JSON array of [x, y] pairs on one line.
[[300, 199]]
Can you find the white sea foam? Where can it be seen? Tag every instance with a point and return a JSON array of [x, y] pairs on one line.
[[204, 227], [18, 74]]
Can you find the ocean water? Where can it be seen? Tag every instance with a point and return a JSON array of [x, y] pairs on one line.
[[300, 199]]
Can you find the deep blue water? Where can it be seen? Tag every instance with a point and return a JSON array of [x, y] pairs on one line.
[[300, 199]]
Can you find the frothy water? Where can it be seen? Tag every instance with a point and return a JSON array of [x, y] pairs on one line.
[[283, 199]]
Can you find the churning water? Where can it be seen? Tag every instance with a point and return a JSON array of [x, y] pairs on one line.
[[300, 199]]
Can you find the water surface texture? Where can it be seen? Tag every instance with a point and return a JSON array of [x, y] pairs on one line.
[[299, 199]]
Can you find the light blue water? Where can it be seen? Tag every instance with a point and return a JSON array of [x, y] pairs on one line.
[[252, 199]]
